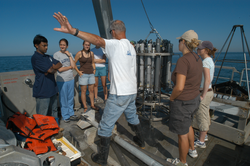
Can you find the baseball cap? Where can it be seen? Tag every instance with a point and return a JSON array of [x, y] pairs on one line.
[[189, 35], [206, 44], [132, 41]]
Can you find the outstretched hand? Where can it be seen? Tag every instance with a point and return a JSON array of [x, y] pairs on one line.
[[65, 25]]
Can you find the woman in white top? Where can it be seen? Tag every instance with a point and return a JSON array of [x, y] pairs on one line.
[[206, 51]]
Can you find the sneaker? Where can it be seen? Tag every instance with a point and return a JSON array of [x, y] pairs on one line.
[[66, 120], [197, 134], [206, 138], [176, 162], [74, 118], [197, 143], [192, 153]]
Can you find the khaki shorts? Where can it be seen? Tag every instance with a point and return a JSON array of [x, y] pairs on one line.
[[181, 115], [202, 115]]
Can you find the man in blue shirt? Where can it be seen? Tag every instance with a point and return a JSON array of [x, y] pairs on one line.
[[45, 89]]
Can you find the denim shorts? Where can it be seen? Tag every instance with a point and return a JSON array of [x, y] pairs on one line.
[[100, 71], [181, 115], [87, 79]]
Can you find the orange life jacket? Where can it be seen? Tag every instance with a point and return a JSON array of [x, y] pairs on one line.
[[45, 122], [21, 123], [39, 146], [39, 134]]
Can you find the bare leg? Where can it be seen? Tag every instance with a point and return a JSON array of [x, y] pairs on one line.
[[91, 94], [202, 135], [108, 76], [191, 138], [83, 95], [105, 89], [96, 87], [183, 147]]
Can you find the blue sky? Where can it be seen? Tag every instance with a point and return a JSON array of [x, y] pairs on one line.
[[21, 20]]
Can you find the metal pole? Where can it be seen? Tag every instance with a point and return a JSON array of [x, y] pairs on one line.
[[244, 54], [144, 84], [119, 155], [133, 150], [143, 157], [234, 27], [160, 81], [247, 76], [104, 16], [223, 45]]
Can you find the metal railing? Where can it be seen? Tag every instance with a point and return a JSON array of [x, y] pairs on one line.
[[234, 70], [241, 76]]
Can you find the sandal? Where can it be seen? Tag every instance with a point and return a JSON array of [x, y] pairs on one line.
[[95, 108], [85, 109]]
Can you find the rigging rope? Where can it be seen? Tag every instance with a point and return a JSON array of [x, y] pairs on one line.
[[151, 25]]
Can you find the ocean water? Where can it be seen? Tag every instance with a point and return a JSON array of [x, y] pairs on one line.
[[18, 63]]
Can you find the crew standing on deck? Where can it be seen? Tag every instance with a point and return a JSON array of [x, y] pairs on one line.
[[185, 97], [45, 88], [101, 71], [86, 74], [65, 81], [206, 50], [123, 88]]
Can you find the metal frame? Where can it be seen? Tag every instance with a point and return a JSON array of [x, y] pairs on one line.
[[104, 16], [152, 104], [243, 38], [240, 109]]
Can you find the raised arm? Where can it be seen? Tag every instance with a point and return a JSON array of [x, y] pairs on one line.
[[67, 28], [72, 62]]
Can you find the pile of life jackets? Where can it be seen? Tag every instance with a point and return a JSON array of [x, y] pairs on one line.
[[38, 131]]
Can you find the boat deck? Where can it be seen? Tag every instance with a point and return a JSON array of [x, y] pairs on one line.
[[160, 144]]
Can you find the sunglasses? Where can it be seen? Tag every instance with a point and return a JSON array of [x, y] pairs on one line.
[[111, 31], [180, 40]]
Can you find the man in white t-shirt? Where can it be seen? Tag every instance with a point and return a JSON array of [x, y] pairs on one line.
[[123, 88]]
